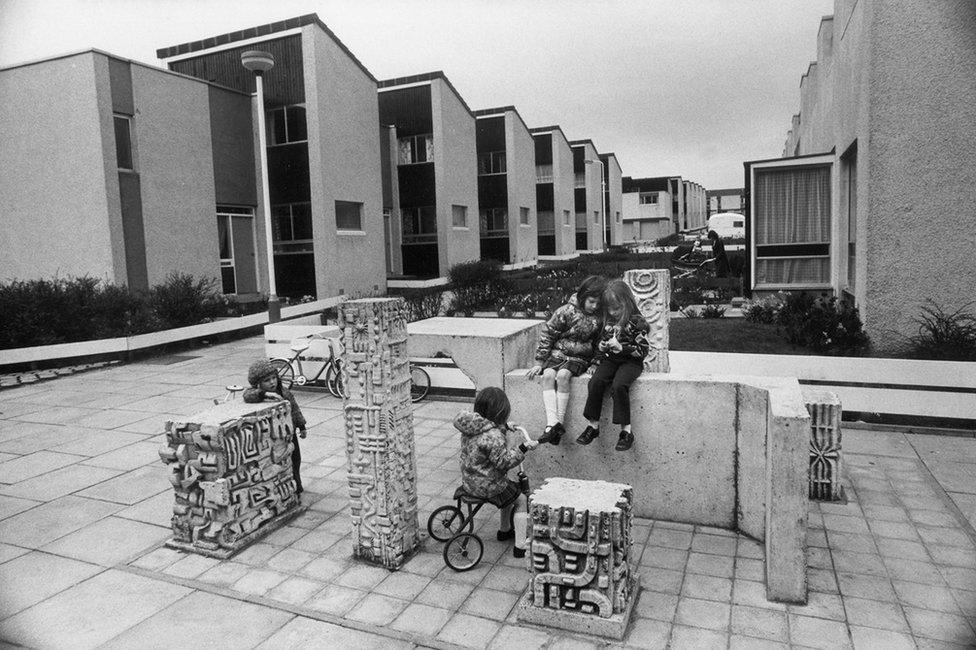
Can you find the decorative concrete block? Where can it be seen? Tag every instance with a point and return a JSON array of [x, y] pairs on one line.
[[382, 468], [230, 467], [652, 289], [580, 550], [825, 444]]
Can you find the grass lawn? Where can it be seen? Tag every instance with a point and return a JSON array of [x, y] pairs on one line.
[[729, 335]]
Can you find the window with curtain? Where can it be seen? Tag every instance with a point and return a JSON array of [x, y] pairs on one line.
[[792, 225]]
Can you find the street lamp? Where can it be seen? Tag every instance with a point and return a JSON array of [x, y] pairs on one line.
[[603, 202], [260, 62]]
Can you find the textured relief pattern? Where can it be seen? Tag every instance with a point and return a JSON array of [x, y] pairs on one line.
[[652, 289], [825, 446], [379, 430], [231, 472], [580, 546]]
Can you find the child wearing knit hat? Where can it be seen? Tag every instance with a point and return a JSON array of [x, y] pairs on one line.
[[266, 385]]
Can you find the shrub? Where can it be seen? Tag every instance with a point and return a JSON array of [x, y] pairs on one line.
[[671, 240], [764, 310], [943, 335], [712, 311], [477, 272], [423, 304], [823, 324], [181, 301]]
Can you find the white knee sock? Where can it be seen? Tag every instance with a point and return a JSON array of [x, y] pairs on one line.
[[549, 401], [562, 399]]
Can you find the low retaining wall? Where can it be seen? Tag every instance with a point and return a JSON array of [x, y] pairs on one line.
[[731, 452]]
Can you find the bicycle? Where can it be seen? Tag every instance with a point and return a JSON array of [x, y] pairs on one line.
[[464, 548], [285, 367]]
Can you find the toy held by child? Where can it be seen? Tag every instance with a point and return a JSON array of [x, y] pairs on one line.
[[620, 353], [266, 385], [486, 457], [566, 347]]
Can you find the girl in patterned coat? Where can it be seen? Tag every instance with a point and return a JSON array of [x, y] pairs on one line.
[[620, 352], [266, 385], [566, 348]]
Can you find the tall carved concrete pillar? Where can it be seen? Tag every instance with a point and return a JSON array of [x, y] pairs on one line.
[[382, 466], [825, 444], [652, 288], [580, 550]]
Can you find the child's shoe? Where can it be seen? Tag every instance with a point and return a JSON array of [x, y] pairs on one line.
[[505, 535], [625, 441], [589, 435], [553, 434], [518, 552]]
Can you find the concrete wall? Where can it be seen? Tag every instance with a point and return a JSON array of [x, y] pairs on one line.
[[391, 197], [594, 198], [54, 118], [171, 130], [520, 151], [615, 190], [455, 176], [344, 165], [563, 182]]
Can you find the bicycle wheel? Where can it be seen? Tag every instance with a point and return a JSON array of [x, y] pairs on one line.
[[419, 383], [286, 373], [463, 552], [445, 522], [333, 380]]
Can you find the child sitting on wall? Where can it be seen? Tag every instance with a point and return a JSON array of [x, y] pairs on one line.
[[266, 385], [486, 458]]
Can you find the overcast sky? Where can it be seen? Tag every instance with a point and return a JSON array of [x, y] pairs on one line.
[[676, 87]]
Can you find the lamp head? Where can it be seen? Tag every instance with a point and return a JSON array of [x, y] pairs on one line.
[[257, 61]]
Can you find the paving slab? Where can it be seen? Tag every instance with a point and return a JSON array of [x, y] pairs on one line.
[[91, 613], [34, 576], [108, 541], [128, 457], [94, 442], [10, 506], [131, 487], [59, 482], [302, 632], [23, 438], [39, 462], [47, 522]]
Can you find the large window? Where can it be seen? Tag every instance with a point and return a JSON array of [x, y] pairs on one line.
[[415, 149], [419, 225], [547, 222], [291, 228], [349, 215], [492, 162], [849, 162], [235, 237], [494, 222], [123, 142], [459, 216], [286, 124], [792, 226]]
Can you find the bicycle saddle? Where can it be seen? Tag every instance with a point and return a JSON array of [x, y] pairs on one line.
[[300, 345], [464, 497]]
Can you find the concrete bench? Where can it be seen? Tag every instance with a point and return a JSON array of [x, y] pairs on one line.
[[731, 452], [485, 349]]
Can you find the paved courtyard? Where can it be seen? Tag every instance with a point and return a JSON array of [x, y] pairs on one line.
[[85, 505]]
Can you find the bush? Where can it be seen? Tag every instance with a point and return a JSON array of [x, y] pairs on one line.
[[476, 285], [764, 310], [478, 272], [671, 240], [943, 335], [823, 324], [181, 301], [423, 304]]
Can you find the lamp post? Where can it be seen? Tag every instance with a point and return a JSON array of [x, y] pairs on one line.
[[260, 62], [603, 202]]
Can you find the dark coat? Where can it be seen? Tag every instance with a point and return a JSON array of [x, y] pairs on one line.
[[570, 334], [633, 339], [485, 455], [255, 395]]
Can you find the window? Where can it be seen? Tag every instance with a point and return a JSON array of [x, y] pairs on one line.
[[596, 216], [419, 225], [546, 222], [492, 162], [648, 197], [580, 180], [792, 225], [291, 228], [349, 215], [123, 142], [235, 238], [566, 221], [739, 224], [523, 216], [494, 222], [618, 217], [849, 161], [415, 149], [459, 216], [543, 173], [286, 125]]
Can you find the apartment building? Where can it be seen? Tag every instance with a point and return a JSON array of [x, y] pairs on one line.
[[725, 200], [695, 212], [324, 171], [612, 199], [873, 197], [436, 173], [506, 187], [126, 172], [555, 193], [588, 197]]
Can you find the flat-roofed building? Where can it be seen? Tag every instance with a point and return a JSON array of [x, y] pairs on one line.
[[588, 194], [725, 200], [437, 173], [612, 199], [506, 187], [646, 207], [554, 193], [324, 170]]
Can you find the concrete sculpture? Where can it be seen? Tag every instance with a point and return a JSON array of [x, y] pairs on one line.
[[580, 550], [825, 444], [230, 467], [652, 289], [382, 468]]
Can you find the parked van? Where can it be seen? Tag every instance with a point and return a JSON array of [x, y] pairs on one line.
[[728, 225]]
